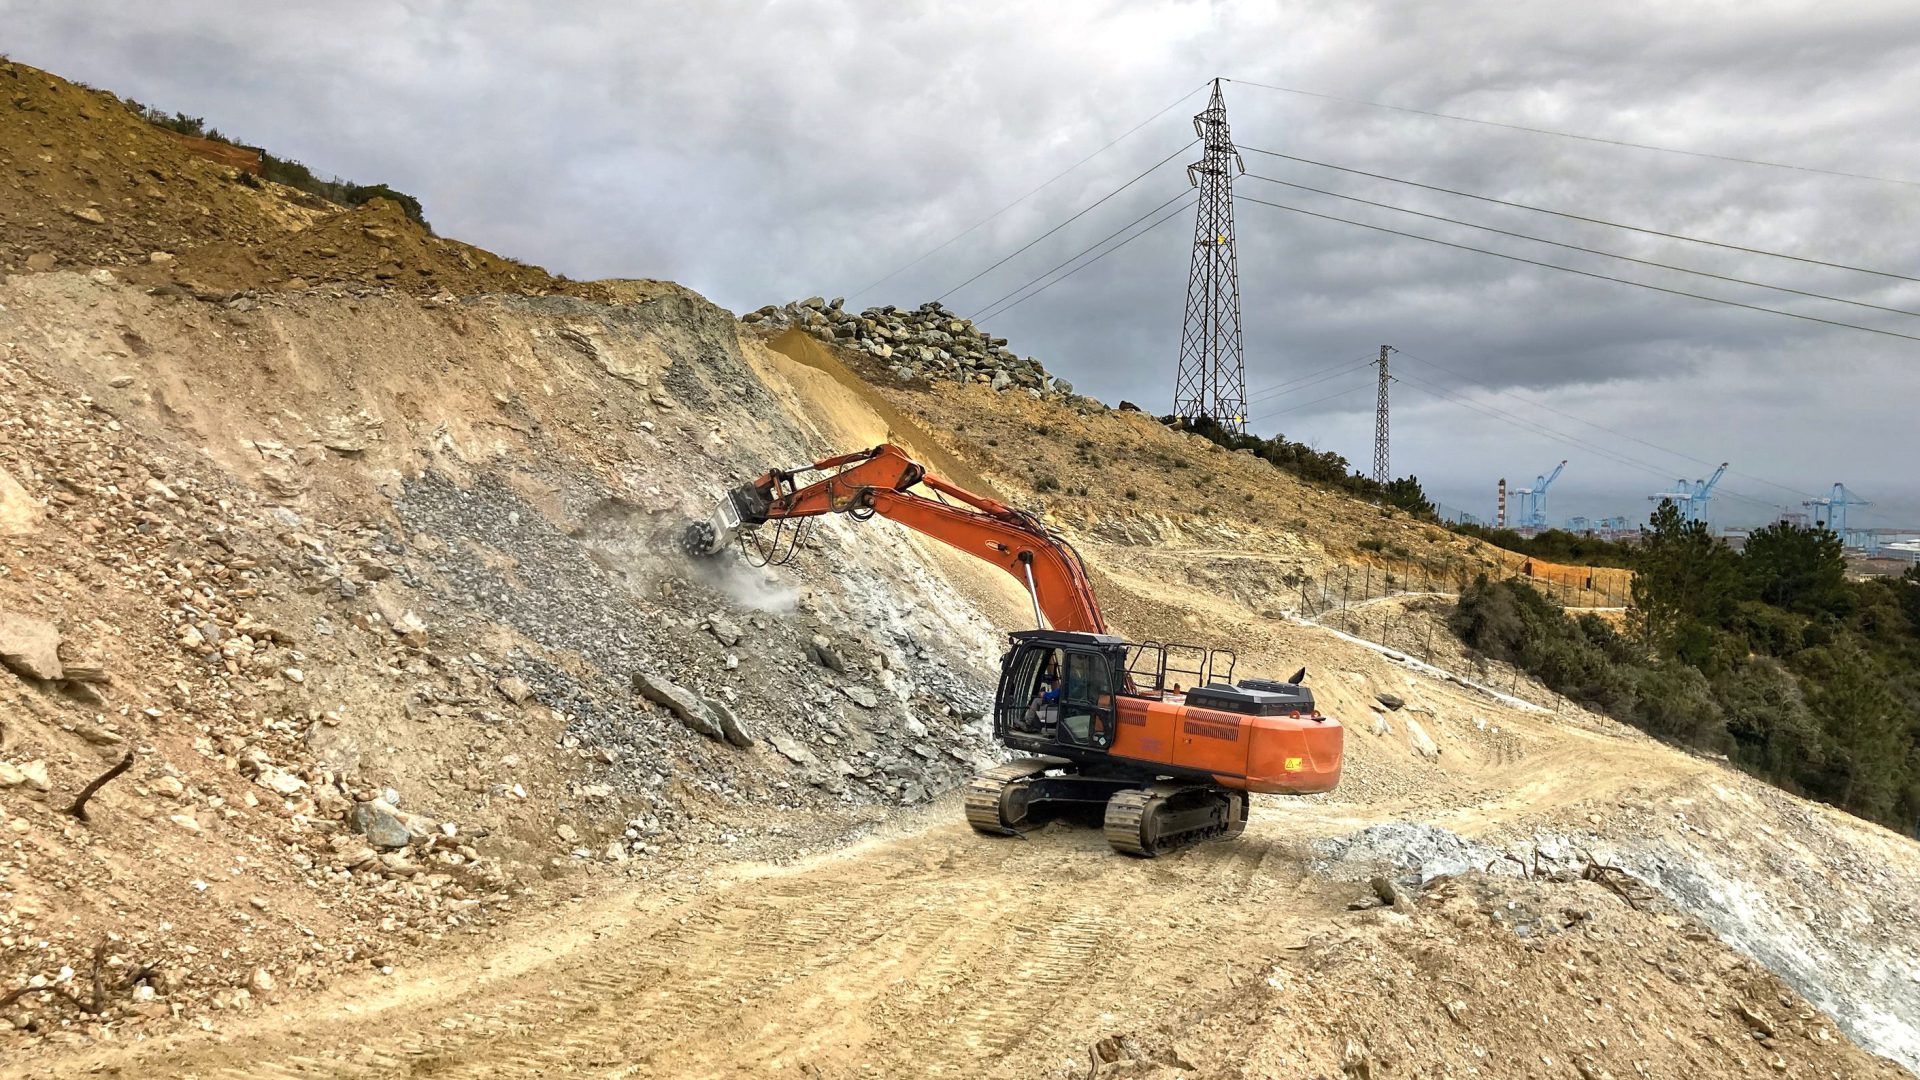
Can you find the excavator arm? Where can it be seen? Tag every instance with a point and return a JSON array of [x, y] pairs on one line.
[[878, 481]]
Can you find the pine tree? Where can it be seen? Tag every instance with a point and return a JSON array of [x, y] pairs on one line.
[[1684, 584]]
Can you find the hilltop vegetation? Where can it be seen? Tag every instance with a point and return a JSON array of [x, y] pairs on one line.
[[1768, 655], [1323, 467], [286, 170], [1555, 545]]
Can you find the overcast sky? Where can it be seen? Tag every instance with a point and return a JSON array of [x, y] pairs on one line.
[[763, 152]]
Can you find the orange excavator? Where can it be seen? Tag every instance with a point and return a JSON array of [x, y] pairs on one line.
[[1106, 721]]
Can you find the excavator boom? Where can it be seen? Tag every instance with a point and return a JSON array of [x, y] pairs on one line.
[[878, 481]]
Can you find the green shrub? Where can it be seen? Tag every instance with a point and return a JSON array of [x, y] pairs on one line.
[[285, 170]]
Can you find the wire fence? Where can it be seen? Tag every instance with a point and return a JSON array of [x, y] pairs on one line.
[[1354, 600], [1577, 588]]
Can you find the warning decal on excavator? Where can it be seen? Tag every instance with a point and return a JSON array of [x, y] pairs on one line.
[[1292, 764], [1207, 729]]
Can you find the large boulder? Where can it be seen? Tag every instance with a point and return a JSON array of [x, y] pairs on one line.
[[380, 824], [682, 703], [29, 647], [1421, 742], [730, 727], [19, 514]]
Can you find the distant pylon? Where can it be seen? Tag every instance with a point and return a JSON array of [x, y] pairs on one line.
[[1382, 471], [1212, 380]]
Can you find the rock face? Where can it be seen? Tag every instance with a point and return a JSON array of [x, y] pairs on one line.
[[928, 342], [29, 647]]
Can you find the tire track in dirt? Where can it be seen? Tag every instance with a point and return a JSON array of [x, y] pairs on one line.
[[937, 954]]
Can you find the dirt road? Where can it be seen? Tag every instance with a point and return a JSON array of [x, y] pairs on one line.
[[926, 951], [937, 954], [932, 951]]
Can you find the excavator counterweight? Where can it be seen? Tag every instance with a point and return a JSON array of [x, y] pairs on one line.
[[1106, 721]]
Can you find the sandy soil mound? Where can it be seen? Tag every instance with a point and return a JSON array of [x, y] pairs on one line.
[[364, 588], [86, 182], [1482, 976], [372, 245]]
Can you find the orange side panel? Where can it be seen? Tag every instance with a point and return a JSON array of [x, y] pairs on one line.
[[1146, 730], [1212, 741], [1290, 756], [1274, 754]]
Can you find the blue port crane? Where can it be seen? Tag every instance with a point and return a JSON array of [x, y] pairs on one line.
[[1533, 500], [1830, 509], [1691, 498]]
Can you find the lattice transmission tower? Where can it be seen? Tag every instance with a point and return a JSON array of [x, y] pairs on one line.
[[1382, 468], [1212, 380]]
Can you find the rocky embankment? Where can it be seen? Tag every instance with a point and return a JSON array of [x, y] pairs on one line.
[[928, 342], [366, 591]]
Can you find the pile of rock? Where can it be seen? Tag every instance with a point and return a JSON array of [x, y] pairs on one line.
[[928, 342]]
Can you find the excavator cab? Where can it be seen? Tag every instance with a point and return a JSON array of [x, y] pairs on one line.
[[1057, 691]]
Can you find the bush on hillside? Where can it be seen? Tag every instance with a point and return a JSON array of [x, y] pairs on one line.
[[285, 170], [1322, 467], [1555, 545], [1770, 656]]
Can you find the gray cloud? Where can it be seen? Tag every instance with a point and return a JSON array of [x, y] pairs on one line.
[[761, 151]]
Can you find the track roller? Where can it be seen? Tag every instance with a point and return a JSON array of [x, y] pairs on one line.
[[1165, 817], [997, 799]]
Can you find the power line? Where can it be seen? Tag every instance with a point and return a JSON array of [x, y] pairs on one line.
[[1582, 217], [1559, 436], [1538, 404], [1586, 250], [1310, 404], [1288, 384], [1181, 194], [1303, 384], [1270, 388], [1047, 184], [1584, 138], [1163, 219], [1067, 222], [1588, 273]]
